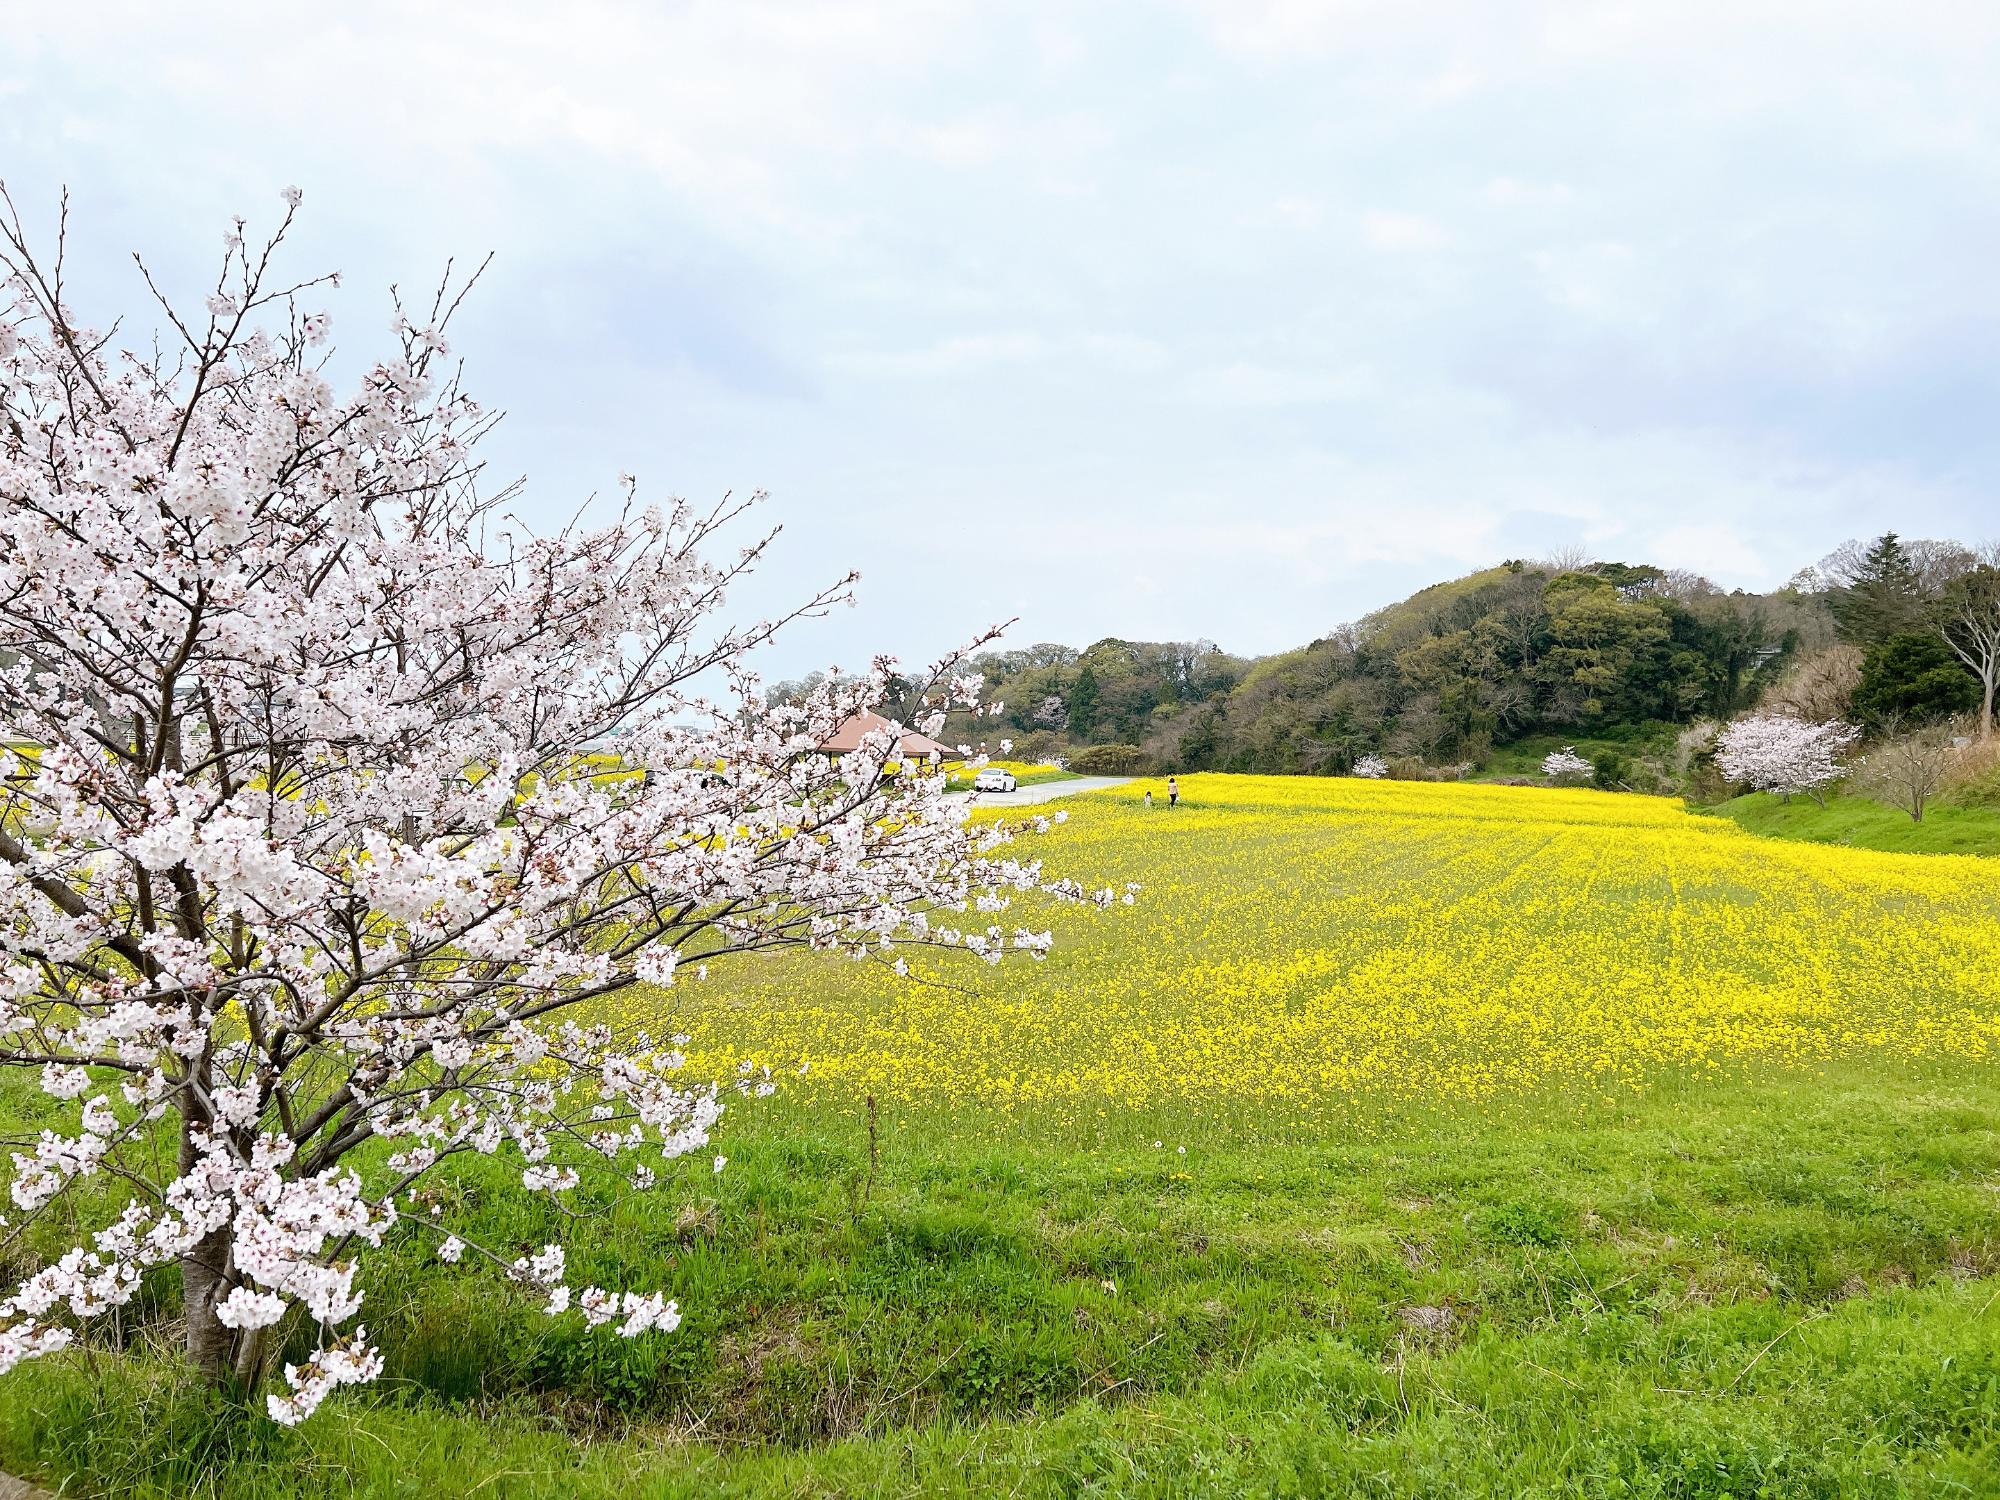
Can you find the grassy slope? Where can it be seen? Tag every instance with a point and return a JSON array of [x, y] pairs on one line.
[[1864, 824]]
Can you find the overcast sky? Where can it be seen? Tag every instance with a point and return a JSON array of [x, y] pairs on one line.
[[1229, 319]]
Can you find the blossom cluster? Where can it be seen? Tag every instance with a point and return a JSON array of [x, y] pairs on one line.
[[1782, 754], [1565, 765], [332, 789]]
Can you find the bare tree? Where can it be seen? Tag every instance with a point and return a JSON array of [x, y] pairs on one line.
[[1421, 728], [1938, 561], [1933, 563], [1908, 770], [1684, 584], [1573, 558], [1971, 626], [1817, 687]]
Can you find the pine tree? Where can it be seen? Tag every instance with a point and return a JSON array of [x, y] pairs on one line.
[[1883, 598]]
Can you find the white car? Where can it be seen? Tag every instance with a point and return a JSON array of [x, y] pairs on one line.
[[993, 779]]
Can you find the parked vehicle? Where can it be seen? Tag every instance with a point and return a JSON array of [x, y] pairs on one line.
[[993, 779]]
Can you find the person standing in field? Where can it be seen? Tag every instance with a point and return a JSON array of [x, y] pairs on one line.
[[1173, 792], [1149, 799]]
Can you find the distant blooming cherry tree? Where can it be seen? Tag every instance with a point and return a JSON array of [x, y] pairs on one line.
[[331, 798], [1373, 767], [1778, 753], [1566, 766]]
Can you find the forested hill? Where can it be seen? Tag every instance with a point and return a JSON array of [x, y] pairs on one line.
[[1444, 675], [1572, 648]]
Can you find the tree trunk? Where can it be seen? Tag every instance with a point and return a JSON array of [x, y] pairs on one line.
[[211, 1346], [252, 1344], [1986, 684]]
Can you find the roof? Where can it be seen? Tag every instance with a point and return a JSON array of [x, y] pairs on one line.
[[847, 738]]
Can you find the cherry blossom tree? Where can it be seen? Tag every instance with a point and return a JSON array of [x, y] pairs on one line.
[[332, 798], [1778, 753], [1371, 767], [1565, 765]]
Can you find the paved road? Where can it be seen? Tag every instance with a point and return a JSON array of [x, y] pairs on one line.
[[1042, 791]]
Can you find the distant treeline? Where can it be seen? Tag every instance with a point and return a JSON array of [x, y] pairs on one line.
[[1563, 646]]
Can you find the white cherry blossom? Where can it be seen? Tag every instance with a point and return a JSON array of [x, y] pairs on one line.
[[1778, 753], [1565, 765], [348, 795]]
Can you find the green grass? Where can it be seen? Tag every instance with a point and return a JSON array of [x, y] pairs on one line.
[[1779, 1289], [1947, 828]]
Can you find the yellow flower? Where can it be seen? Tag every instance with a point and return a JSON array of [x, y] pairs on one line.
[[1299, 943]]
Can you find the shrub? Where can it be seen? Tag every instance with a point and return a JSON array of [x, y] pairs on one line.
[[1975, 779], [1611, 770], [1111, 760], [1416, 768]]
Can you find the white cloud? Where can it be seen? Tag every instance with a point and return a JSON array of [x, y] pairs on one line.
[[1717, 548], [1247, 384], [1300, 211], [1600, 280], [970, 353], [1512, 191], [1387, 229], [1457, 81]]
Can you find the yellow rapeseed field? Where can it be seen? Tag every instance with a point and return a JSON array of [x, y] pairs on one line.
[[1300, 942]]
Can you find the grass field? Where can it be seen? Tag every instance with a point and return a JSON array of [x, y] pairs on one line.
[[1947, 827], [1398, 1139]]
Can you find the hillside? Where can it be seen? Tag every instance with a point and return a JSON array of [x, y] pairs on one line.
[[1605, 650]]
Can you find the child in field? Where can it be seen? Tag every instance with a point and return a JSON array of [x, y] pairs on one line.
[[1149, 799], [1173, 792]]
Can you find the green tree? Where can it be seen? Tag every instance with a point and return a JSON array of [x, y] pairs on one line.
[[1597, 637], [1883, 597], [1913, 678], [1083, 702]]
